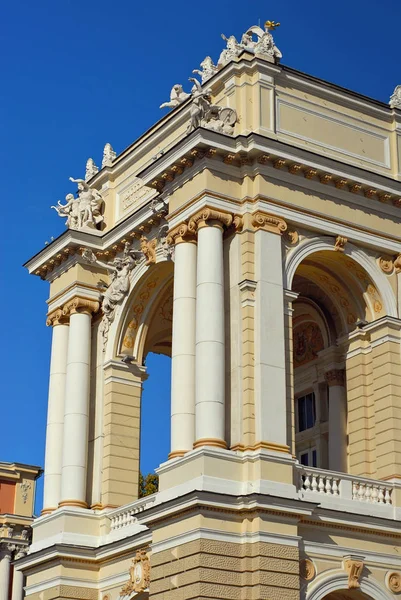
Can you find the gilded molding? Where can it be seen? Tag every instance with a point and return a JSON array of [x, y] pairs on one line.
[[335, 377], [340, 242], [307, 569], [181, 234], [204, 216], [56, 317], [80, 305], [386, 264], [393, 581], [148, 249], [262, 220], [354, 568]]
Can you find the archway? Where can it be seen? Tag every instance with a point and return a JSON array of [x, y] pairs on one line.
[[347, 595], [335, 296]]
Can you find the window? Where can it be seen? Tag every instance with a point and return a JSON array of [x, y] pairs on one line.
[[308, 458], [306, 412]]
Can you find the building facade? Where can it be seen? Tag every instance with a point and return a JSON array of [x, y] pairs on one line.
[[17, 499], [253, 235]]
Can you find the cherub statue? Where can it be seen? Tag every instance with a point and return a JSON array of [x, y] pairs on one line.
[[119, 270], [69, 210], [177, 97], [90, 202], [208, 69], [232, 50]]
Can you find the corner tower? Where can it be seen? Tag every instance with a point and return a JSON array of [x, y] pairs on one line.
[[261, 249]]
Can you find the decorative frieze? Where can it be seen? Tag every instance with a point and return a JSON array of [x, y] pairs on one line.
[[262, 220]]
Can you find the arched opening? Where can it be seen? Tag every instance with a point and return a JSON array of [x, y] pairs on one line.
[[335, 297], [347, 595]]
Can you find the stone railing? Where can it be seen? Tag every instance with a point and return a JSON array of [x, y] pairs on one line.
[[128, 514], [328, 487]]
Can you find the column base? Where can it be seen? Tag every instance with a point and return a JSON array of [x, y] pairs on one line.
[[262, 445], [97, 506], [214, 442], [78, 503], [47, 511], [176, 454]]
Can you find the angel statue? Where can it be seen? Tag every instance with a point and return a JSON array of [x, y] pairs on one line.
[[177, 97], [119, 271]]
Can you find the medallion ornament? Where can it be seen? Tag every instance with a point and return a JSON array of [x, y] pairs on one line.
[[393, 581], [354, 567], [139, 574], [307, 569]]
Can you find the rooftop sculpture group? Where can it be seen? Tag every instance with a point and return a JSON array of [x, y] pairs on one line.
[[83, 211], [395, 100], [203, 113]]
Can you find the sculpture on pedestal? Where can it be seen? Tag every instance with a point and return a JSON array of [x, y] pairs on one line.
[[232, 50], [208, 69], [108, 156], [177, 97], [119, 271], [395, 100], [84, 211], [205, 114], [91, 169]]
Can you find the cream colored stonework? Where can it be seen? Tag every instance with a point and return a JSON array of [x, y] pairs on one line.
[[280, 245]]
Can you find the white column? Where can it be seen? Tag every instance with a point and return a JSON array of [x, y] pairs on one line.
[[5, 561], [18, 581], [183, 346], [337, 421], [55, 413], [210, 367], [76, 412], [270, 364]]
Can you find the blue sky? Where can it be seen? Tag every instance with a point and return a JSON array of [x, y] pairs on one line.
[[77, 74]]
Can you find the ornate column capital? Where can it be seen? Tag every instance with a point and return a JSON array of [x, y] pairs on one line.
[[181, 234], [267, 222], [210, 217], [56, 317], [335, 377], [6, 550], [80, 305]]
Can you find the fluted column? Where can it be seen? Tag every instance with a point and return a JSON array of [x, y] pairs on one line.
[[55, 411], [337, 420], [76, 411], [183, 342], [210, 335], [18, 580], [6, 551]]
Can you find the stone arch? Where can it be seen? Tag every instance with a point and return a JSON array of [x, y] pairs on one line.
[[311, 246], [334, 581], [148, 287]]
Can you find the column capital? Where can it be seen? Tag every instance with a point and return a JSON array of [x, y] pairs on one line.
[[6, 550], [56, 317], [268, 222], [80, 305], [181, 234], [335, 377], [212, 217]]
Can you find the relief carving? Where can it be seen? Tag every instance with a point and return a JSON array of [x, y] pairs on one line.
[[139, 574], [354, 568]]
